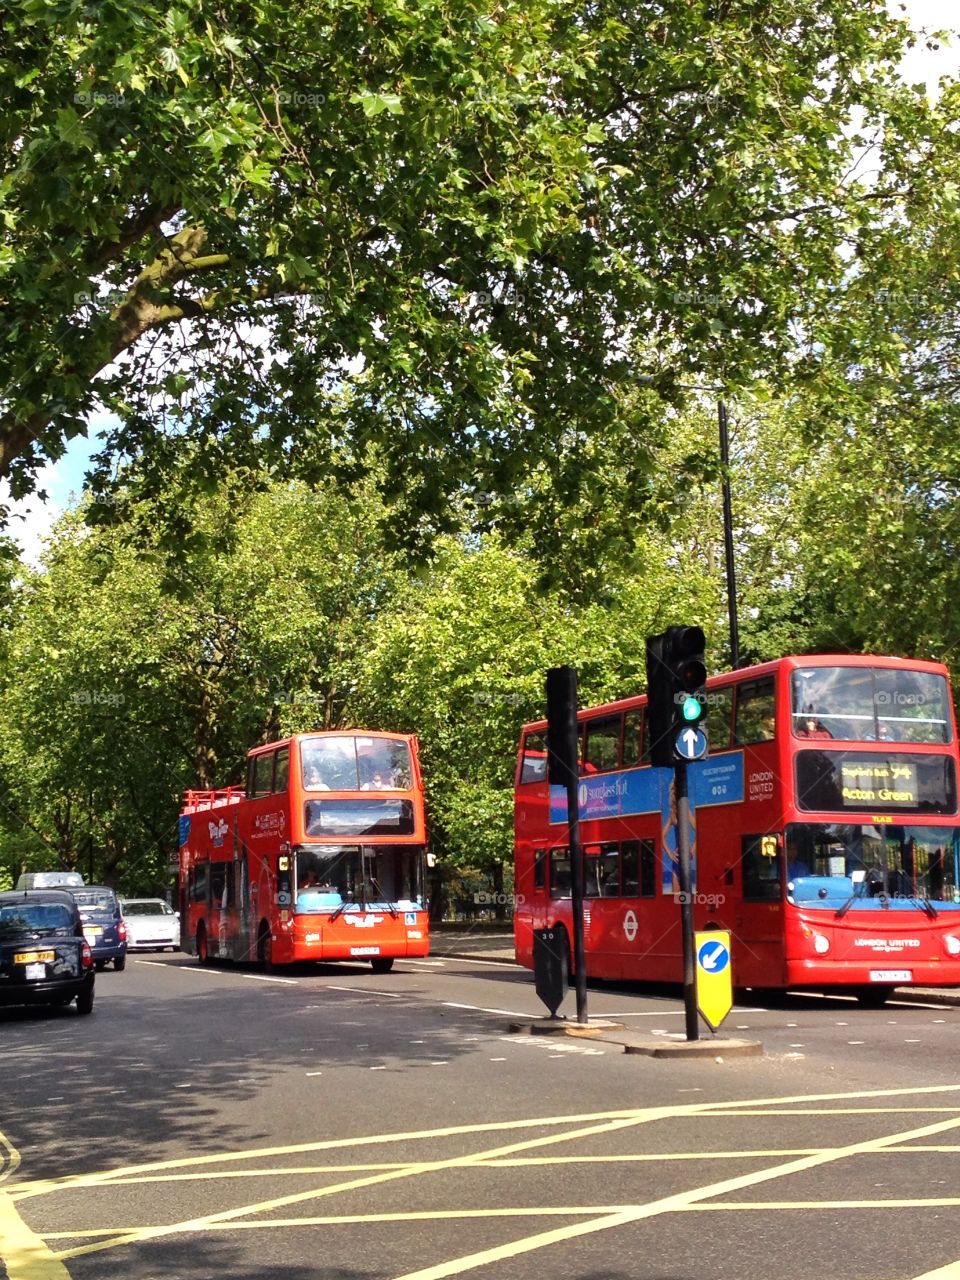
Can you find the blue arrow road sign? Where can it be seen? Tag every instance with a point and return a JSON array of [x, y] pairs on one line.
[[691, 744], [713, 957]]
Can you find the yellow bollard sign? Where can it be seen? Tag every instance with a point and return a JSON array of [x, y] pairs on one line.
[[714, 975]]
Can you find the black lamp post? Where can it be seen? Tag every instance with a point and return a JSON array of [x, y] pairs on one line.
[[731, 573]]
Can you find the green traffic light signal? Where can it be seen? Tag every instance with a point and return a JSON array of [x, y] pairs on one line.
[[691, 709]]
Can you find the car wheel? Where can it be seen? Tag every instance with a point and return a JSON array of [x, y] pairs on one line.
[[85, 1000], [120, 963], [101, 965], [382, 964]]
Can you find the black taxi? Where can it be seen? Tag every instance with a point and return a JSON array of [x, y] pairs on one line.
[[44, 957]]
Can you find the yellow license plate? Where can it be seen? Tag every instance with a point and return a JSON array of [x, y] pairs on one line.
[[92, 931], [34, 957]]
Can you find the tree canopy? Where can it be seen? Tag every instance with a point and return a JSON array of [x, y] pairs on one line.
[[442, 242]]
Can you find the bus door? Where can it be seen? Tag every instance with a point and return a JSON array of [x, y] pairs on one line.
[[758, 946]]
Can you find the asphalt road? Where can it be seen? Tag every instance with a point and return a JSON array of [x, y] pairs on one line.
[[337, 1125]]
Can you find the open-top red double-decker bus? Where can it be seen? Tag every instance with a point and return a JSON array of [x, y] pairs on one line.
[[319, 857]]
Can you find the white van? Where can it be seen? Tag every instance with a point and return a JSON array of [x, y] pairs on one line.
[[50, 880]]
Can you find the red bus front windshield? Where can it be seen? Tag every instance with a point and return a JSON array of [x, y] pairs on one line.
[[870, 704], [360, 763]]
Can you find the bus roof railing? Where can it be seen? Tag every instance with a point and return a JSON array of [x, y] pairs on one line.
[[207, 799]]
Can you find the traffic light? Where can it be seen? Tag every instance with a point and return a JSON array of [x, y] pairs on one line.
[[676, 693], [562, 742]]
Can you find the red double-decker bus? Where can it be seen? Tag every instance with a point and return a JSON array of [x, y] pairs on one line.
[[825, 828], [319, 857]]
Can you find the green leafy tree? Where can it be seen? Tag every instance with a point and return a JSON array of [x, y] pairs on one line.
[[131, 678], [460, 658], [444, 244]]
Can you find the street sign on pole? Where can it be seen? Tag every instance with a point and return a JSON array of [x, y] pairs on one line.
[[691, 744], [714, 976]]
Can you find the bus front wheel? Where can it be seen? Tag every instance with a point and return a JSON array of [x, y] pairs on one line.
[[382, 964], [203, 951]]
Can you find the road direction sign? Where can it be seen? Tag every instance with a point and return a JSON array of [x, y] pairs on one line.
[[714, 976], [691, 744]]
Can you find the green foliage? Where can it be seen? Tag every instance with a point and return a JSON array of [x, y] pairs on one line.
[[132, 678], [442, 243], [459, 658]]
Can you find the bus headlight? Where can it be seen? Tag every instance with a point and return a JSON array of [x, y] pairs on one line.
[[821, 945], [952, 945]]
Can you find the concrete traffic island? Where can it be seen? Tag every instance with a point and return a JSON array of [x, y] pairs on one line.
[[614, 1033], [710, 1047], [566, 1027]]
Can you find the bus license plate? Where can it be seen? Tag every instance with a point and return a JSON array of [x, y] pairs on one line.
[[891, 975], [34, 957]]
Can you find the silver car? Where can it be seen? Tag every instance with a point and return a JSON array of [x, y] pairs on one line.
[[152, 925]]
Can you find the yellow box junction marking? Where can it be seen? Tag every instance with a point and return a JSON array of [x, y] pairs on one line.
[[33, 1260]]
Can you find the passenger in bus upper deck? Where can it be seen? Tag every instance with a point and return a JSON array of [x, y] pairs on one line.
[[884, 734], [810, 727], [315, 782], [377, 783]]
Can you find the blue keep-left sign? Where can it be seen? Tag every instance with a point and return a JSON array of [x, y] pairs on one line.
[[713, 956]]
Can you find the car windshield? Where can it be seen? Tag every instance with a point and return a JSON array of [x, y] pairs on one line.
[[146, 909], [24, 919]]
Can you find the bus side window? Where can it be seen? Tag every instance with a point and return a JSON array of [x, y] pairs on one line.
[[603, 745], [560, 873], [540, 869], [719, 717], [754, 711], [648, 869], [281, 775], [251, 777], [533, 767], [610, 871], [633, 738], [761, 871], [630, 859], [199, 881], [592, 871], [263, 773]]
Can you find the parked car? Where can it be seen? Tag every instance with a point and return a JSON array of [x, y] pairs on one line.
[[151, 924], [44, 957], [103, 924], [50, 880]]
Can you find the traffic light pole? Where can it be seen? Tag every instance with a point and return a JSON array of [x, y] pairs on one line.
[[691, 1019], [563, 769], [576, 899]]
